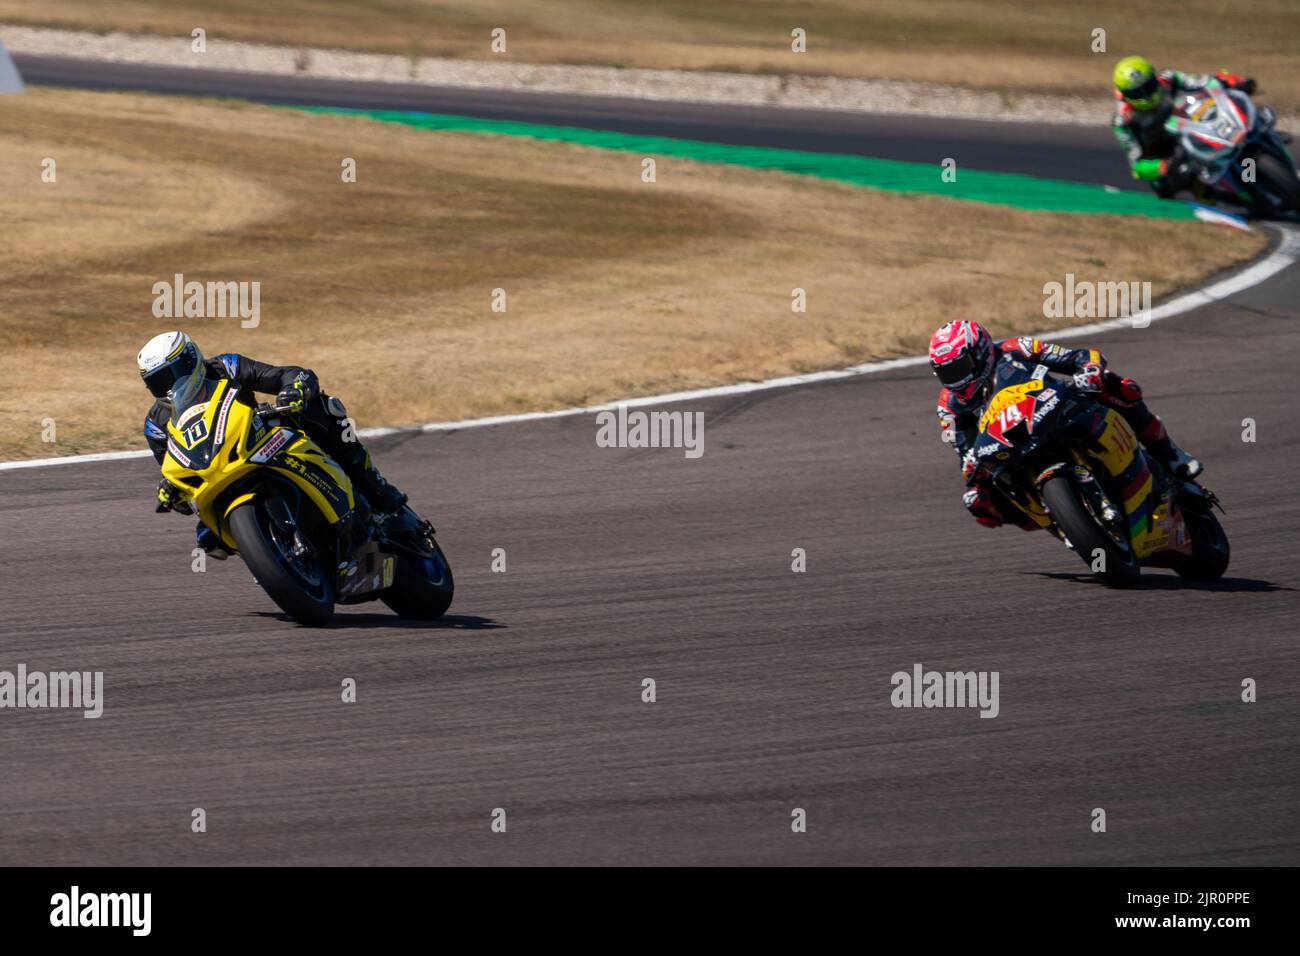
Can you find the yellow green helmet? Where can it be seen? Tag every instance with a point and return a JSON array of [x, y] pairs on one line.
[[1137, 83]]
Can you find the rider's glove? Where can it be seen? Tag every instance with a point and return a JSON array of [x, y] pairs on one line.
[[1089, 378], [980, 504], [1244, 83], [170, 498], [968, 464], [295, 397]]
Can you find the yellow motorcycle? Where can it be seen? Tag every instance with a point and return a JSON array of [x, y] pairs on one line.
[[278, 501]]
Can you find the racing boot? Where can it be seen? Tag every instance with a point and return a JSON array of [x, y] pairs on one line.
[[212, 545], [383, 497], [337, 436], [1125, 395], [1176, 461], [1182, 464], [366, 479]]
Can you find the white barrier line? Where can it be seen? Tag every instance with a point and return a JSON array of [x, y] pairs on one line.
[[73, 459], [1287, 253]]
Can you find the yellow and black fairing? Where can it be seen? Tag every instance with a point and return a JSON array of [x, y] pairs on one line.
[[1029, 417], [219, 450], [1154, 522]]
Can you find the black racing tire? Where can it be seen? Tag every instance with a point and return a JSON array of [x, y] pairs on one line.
[[1211, 552], [1087, 536], [421, 590], [314, 608], [1279, 179]]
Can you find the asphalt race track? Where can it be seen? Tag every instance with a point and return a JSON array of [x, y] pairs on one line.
[[1078, 153], [773, 687]]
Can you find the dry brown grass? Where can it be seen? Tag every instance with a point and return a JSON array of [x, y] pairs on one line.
[[615, 286], [999, 44]]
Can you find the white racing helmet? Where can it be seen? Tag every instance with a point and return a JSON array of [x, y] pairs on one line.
[[172, 367]]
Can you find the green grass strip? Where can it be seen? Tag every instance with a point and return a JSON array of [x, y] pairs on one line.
[[1000, 189]]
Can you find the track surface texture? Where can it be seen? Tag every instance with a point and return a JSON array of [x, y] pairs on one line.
[[773, 687]]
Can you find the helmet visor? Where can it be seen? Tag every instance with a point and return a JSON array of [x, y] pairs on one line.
[[1145, 96], [164, 378], [960, 371]]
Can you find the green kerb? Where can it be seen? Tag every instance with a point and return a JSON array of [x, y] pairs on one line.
[[1000, 189]]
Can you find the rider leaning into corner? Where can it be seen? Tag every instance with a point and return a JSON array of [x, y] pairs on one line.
[[1144, 101], [964, 358], [174, 371]]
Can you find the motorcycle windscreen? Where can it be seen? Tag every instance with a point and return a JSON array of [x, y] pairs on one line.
[[200, 398]]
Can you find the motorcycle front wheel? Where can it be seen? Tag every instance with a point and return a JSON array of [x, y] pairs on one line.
[[1119, 566], [300, 584]]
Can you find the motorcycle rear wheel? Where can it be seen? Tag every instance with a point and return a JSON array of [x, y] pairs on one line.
[[421, 590], [1211, 552], [1275, 177], [1120, 565]]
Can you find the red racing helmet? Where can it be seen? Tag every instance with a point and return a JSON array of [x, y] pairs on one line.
[[961, 357]]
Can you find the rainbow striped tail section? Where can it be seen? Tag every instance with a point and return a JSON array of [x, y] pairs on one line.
[[1137, 498]]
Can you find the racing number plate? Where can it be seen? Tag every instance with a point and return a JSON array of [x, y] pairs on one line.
[[1009, 397]]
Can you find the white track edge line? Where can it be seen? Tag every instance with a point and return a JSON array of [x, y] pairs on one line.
[[1287, 253]]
